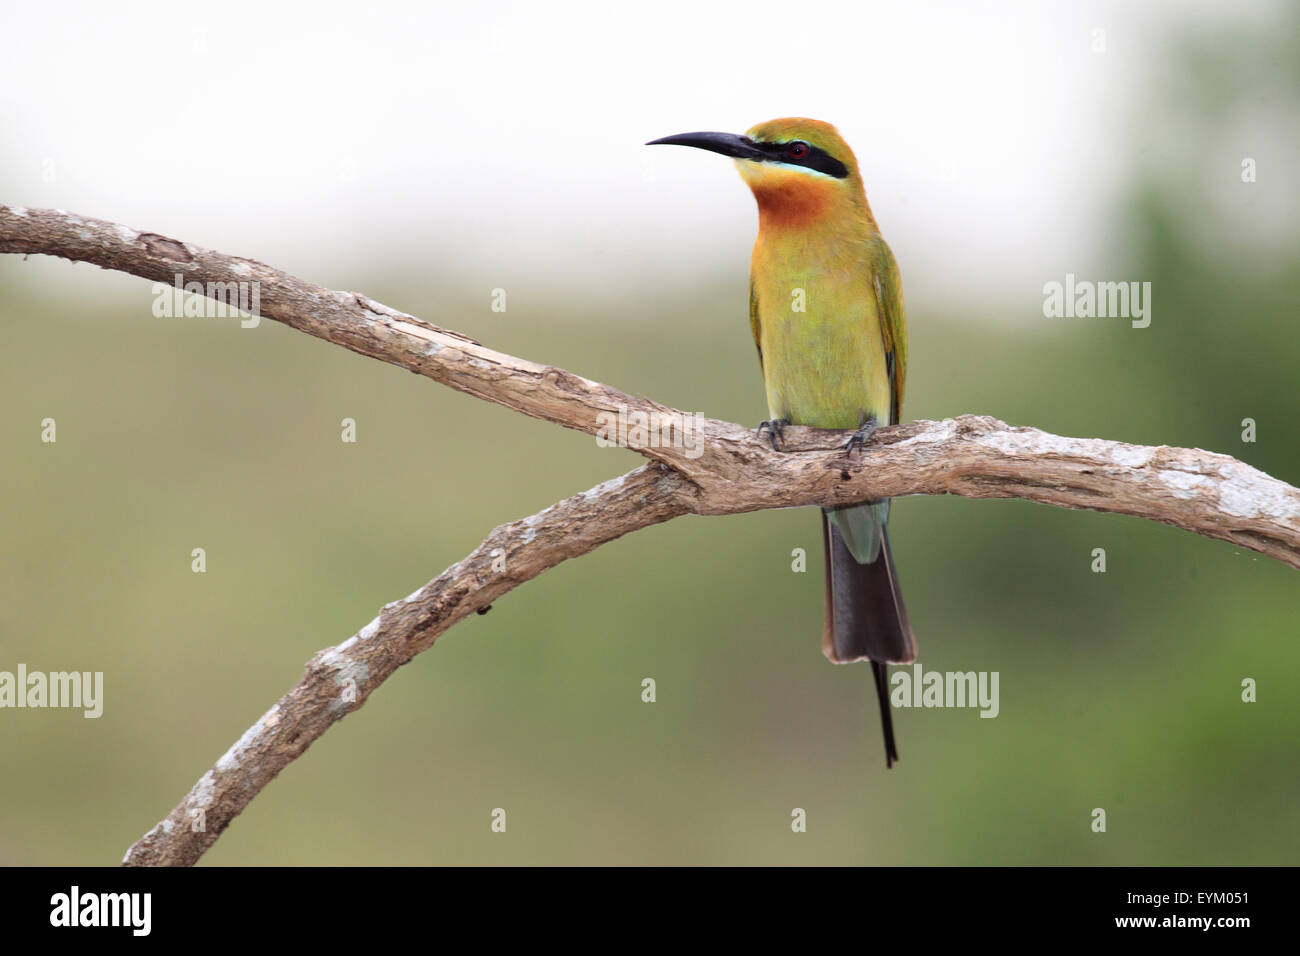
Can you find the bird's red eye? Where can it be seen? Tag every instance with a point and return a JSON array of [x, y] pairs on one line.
[[798, 150]]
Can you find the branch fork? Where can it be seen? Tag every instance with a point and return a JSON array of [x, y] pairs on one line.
[[725, 469]]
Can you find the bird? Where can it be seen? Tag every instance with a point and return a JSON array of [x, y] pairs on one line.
[[826, 312]]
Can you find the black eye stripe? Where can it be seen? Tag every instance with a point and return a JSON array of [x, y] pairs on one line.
[[815, 158]]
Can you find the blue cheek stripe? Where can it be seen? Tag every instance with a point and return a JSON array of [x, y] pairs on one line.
[[802, 169]]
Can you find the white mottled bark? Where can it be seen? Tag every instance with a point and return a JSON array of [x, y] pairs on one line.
[[721, 469]]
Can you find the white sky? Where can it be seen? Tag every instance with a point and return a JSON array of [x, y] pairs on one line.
[[324, 136]]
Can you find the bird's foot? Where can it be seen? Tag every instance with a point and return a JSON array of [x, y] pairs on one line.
[[775, 430], [863, 435]]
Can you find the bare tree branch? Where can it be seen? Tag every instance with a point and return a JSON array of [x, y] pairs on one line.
[[711, 467], [339, 679]]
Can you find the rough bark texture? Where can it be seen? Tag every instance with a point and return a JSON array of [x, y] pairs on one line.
[[721, 468], [339, 679]]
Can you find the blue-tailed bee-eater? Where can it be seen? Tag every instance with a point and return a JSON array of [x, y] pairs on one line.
[[826, 310]]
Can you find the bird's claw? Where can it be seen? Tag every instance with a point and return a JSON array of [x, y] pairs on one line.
[[860, 437], [775, 430]]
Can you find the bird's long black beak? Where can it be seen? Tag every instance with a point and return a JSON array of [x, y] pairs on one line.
[[728, 144]]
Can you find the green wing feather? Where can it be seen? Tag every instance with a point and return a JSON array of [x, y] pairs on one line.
[[893, 324], [862, 526]]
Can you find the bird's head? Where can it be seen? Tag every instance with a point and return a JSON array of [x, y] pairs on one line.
[[800, 170]]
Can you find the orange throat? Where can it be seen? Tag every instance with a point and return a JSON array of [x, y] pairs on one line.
[[792, 204]]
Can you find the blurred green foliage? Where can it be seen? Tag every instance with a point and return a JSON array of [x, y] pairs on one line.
[[1118, 690]]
